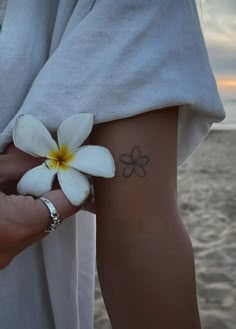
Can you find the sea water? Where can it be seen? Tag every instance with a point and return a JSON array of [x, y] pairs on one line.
[[230, 120]]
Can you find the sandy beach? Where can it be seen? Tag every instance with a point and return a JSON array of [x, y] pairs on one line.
[[207, 203]]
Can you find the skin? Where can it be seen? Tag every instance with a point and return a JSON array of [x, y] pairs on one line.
[[145, 257], [23, 218]]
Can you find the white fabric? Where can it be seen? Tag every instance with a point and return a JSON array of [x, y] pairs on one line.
[[114, 59], [50, 285], [3, 4]]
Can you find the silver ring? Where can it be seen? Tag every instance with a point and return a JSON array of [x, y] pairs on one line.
[[55, 221]]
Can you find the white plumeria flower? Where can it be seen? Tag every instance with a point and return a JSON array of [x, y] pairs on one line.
[[66, 159]]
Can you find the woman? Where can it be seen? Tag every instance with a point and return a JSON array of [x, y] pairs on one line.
[[142, 69]]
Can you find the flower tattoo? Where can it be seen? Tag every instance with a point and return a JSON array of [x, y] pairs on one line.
[[134, 163]]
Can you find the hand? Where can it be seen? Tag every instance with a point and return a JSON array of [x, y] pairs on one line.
[[13, 164], [23, 220]]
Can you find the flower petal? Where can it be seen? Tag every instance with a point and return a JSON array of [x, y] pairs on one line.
[[74, 184], [31, 136], [36, 181], [73, 131], [94, 160]]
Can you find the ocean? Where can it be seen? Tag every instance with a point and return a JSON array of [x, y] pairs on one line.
[[229, 123]]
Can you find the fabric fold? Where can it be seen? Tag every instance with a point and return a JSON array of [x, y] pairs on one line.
[[118, 61]]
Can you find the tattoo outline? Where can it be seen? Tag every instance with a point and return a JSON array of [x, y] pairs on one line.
[[134, 163]]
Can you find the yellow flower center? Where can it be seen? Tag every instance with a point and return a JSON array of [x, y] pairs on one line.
[[60, 158]]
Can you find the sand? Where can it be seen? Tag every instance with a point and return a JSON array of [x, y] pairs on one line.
[[207, 203]]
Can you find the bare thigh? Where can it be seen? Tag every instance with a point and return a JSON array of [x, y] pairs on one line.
[[144, 254]]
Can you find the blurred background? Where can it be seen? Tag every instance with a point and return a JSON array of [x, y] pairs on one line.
[[207, 184], [218, 21]]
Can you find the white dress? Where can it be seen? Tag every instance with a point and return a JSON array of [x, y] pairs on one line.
[[114, 59], [3, 4]]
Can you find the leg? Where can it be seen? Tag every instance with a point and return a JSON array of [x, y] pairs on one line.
[[144, 255]]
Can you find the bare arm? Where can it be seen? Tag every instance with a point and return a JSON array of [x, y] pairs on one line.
[[144, 255]]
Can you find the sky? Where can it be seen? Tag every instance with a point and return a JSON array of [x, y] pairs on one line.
[[218, 21]]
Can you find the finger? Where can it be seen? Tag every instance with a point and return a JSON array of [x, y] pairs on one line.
[[56, 185], [10, 148], [61, 203], [14, 165], [29, 218], [64, 209], [9, 188], [22, 217]]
